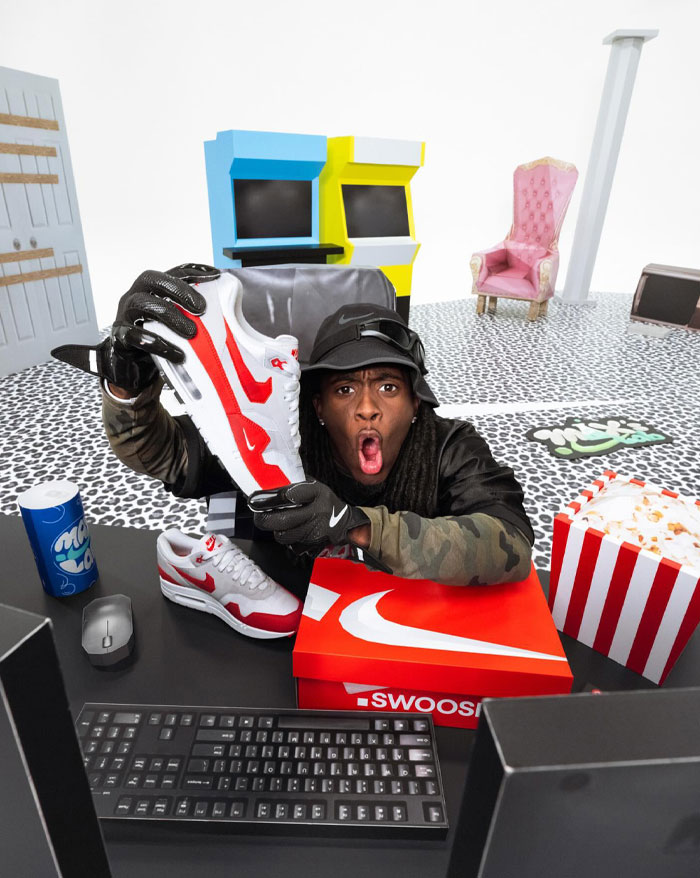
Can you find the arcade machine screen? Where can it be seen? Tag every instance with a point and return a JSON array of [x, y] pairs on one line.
[[272, 208], [375, 211]]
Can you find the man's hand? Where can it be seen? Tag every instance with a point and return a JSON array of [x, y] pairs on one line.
[[124, 357], [309, 517]]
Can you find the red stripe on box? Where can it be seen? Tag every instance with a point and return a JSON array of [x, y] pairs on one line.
[[661, 588], [669, 493], [688, 626], [562, 523], [619, 583], [575, 506], [588, 494], [582, 581], [637, 482], [610, 474], [599, 484]]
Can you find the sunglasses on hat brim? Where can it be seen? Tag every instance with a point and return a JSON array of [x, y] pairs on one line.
[[390, 331]]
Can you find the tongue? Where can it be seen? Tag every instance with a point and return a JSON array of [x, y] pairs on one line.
[[370, 455], [209, 543]]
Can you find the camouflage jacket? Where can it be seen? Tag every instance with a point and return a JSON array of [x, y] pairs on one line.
[[481, 533]]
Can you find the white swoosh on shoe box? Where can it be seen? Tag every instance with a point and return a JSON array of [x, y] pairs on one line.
[[362, 619]]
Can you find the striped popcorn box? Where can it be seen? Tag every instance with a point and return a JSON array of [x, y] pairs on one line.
[[626, 572]]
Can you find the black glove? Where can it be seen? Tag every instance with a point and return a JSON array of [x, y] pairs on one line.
[[124, 357], [308, 516]]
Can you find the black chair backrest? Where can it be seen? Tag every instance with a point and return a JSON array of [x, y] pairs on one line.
[[295, 299]]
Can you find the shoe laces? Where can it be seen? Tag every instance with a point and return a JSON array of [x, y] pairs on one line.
[[291, 397], [231, 560]]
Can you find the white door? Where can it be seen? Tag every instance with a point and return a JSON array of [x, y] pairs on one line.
[[45, 293]]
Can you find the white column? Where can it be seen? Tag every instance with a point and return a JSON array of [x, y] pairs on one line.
[[626, 48]]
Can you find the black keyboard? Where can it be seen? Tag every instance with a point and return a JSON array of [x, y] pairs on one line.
[[288, 771]]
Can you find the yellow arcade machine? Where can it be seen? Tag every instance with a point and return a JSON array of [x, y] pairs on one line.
[[365, 205]]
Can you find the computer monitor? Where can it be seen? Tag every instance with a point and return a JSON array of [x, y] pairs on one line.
[[272, 209], [48, 823], [669, 296], [583, 785], [375, 211]]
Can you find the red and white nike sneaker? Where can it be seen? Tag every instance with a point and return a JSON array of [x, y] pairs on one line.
[[214, 575], [240, 388]]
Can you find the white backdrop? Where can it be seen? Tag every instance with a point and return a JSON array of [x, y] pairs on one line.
[[486, 85]]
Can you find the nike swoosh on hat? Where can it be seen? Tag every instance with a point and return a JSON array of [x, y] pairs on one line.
[[346, 319]]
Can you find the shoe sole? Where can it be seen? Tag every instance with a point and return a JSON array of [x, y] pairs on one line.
[[196, 600]]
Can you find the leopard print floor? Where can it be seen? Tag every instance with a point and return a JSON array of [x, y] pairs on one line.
[[500, 372]]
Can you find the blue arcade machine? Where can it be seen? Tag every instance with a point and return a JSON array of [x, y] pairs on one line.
[[264, 198]]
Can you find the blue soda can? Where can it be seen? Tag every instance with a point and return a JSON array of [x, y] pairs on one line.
[[58, 534]]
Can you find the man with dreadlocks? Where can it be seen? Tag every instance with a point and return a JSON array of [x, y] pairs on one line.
[[402, 488], [419, 495]]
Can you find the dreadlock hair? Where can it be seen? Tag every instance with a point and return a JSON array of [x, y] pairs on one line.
[[410, 486]]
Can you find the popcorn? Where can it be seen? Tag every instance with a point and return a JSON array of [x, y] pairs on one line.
[[659, 522], [626, 572]]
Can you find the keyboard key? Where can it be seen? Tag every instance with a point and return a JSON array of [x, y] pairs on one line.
[[197, 782], [127, 719], [124, 806], [155, 719], [103, 717], [318, 812], [265, 722], [201, 809], [161, 807], [425, 770], [173, 764], [198, 765], [414, 740], [218, 809], [398, 813], [263, 810], [237, 810], [166, 734], [433, 813], [246, 722], [227, 721], [183, 808], [207, 720], [216, 735], [186, 719], [123, 749], [143, 807], [170, 719], [156, 764], [416, 755]]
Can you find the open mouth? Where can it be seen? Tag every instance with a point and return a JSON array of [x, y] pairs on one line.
[[370, 453]]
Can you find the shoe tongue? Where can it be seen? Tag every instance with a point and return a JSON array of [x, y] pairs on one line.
[[211, 543], [287, 345]]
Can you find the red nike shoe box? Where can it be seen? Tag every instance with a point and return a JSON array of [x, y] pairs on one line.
[[368, 640], [626, 572]]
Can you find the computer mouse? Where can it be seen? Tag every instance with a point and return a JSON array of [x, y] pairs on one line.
[[108, 630]]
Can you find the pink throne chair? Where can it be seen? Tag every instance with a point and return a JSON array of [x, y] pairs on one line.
[[524, 265]]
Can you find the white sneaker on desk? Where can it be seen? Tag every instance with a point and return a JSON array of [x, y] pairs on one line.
[[213, 575]]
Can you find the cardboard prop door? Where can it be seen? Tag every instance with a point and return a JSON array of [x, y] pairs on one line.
[[45, 293]]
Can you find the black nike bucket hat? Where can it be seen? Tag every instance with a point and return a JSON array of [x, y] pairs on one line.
[[363, 335]]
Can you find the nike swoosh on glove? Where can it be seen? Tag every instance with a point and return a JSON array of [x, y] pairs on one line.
[[309, 517]]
